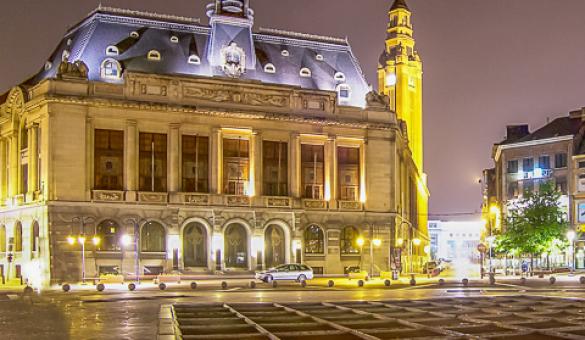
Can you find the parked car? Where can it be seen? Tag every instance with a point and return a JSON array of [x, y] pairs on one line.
[[297, 272], [431, 267], [356, 273]]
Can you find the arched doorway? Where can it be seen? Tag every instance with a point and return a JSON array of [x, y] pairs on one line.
[[153, 238], [236, 246], [274, 246], [194, 245]]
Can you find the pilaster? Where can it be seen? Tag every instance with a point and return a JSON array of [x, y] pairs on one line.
[[174, 181], [131, 161], [295, 165]]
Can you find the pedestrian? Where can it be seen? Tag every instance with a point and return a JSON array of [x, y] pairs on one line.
[[524, 267]]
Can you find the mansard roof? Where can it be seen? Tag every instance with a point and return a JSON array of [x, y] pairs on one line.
[[134, 34]]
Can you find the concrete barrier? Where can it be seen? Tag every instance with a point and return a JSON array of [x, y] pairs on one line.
[[387, 283], [465, 282], [360, 283], [331, 283], [552, 280], [224, 285], [193, 285], [162, 286], [100, 287], [441, 282], [131, 287], [66, 287]]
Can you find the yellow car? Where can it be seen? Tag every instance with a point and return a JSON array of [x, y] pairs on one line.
[[355, 273]]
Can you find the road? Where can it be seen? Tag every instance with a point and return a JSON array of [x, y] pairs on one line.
[[120, 314]]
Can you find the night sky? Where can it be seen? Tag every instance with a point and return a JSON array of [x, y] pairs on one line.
[[487, 63]]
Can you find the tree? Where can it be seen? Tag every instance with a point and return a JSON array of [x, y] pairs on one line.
[[535, 224]]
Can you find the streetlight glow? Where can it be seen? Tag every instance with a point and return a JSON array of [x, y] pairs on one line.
[[377, 242], [96, 240], [416, 242], [360, 241], [126, 240], [81, 239], [400, 242], [71, 240], [391, 79]]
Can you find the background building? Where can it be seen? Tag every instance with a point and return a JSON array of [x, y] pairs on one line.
[[182, 147], [457, 242]]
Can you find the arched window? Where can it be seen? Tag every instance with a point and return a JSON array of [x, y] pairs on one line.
[[174, 39], [343, 92], [270, 68], [349, 236], [195, 245], [111, 69], [152, 238], [285, 53], [194, 59], [339, 76], [305, 72], [23, 137], [48, 65], [236, 246], [314, 240], [134, 35], [18, 237], [154, 55], [2, 239], [34, 241], [109, 233], [112, 51]]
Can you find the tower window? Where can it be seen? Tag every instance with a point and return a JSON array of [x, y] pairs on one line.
[[154, 55], [48, 65], [285, 53], [112, 51], [339, 76], [270, 68], [174, 39], [305, 72], [344, 92], [319, 57], [111, 69], [194, 59], [134, 35]]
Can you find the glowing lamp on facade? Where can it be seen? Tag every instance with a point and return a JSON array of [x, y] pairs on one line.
[[416, 242], [173, 243], [427, 250], [360, 241], [296, 245], [71, 240], [96, 241], [494, 210], [257, 244], [126, 240], [400, 242], [377, 242], [81, 240], [571, 235], [217, 242]]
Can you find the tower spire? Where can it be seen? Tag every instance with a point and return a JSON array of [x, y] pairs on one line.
[[399, 4]]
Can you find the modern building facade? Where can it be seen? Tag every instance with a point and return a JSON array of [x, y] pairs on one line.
[[155, 144]]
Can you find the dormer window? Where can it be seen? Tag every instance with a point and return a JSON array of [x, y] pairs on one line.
[[270, 68], [134, 35], [339, 76], [343, 92], [319, 57], [194, 60], [48, 65], [69, 42], [174, 39], [154, 55], [285, 53], [111, 69], [65, 56], [305, 72], [112, 51]]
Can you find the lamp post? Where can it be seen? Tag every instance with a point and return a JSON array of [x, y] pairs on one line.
[[136, 224], [373, 243], [414, 242], [571, 237], [81, 239]]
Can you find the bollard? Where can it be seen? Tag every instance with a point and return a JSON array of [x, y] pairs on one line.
[[303, 283], [252, 284], [100, 287], [331, 283], [274, 284], [28, 290], [131, 287], [465, 282], [552, 280], [193, 285], [162, 286], [441, 282], [582, 280], [412, 282], [522, 280], [387, 283], [492, 279], [66, 287], [360, 283], [224, 285]]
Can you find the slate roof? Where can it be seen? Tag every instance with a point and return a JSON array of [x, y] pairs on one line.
[[88, 41], [564, 126], [399, 4]]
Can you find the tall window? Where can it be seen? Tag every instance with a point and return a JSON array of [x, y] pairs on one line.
[[195, 245], [348, 167], [195, 164], [513, 167], [561, 185], [18, 237], [560, 160], [314, 240], [109, 233], [2, 239], [513, 190], [153, 162], [413, 202], [349, 236], [313, 171], [108, 160], [544, 162], [275, 172], [528, 164], [236, 166], [152, 238], [35, 237], [24, 158]]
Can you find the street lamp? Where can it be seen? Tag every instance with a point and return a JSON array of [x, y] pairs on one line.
[[136, 224], [414, 242], [81, 238], [491, 239], [571, 237]]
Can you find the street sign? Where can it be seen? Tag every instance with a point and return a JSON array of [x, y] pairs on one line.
[[481, 248]]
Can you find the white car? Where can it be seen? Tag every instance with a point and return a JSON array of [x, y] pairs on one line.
[[297, 272]]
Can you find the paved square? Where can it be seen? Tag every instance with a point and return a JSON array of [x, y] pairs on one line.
[[518, 317]]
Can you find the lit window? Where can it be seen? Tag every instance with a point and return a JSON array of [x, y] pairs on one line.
[[285, 53], [194, 59], [305, 72], [339, 76], [270, 68], [48, 65], [344, 92], [111, 69], [112, 51], [154, 55], [134, 35], [174, 39]]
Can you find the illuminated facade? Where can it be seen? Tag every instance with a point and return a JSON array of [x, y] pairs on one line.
[[189, 148]]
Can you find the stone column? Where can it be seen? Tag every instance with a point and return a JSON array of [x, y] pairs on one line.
[[330, 169], [216, 173], [255, 186], [3, 166], [33, 160], [295, 165], [174, 181], [362, 174], [131, 161], [13, 174]]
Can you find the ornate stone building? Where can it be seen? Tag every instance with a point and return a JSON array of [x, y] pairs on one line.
[[183, 147]]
